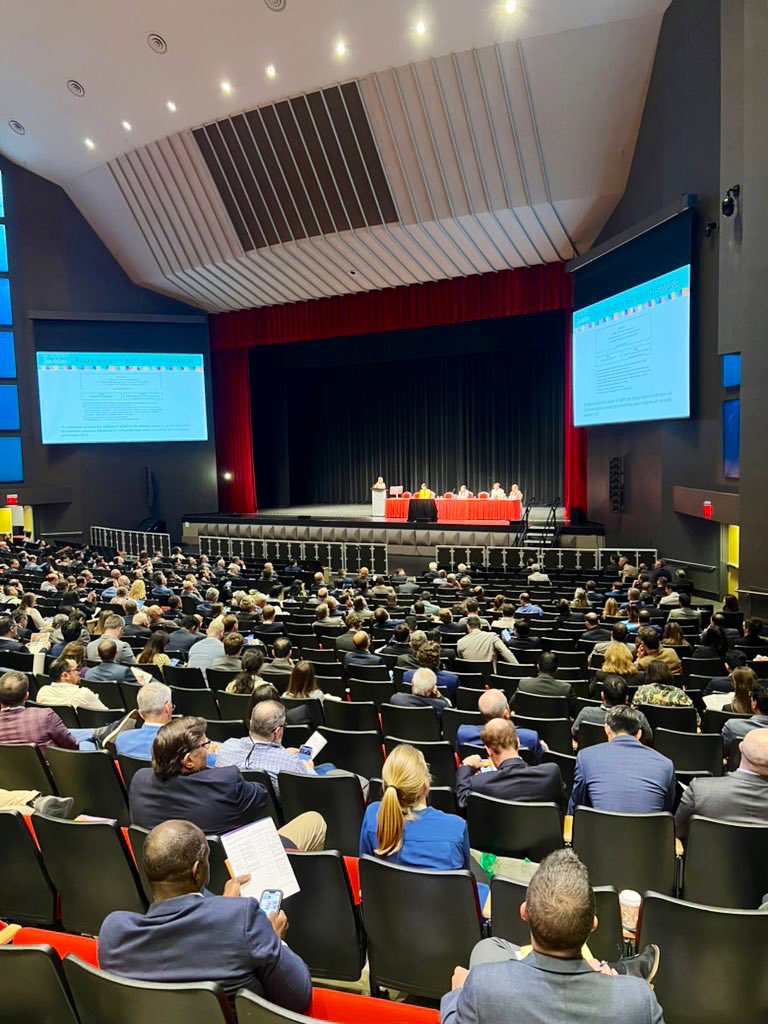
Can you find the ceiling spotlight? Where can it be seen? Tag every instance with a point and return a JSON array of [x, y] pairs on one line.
[[17, 126], [270, 70], [171, 106], [421, 28], [226, 87], [341, 48], [227, 475], [128, 126], [89, 144], [510, 6]]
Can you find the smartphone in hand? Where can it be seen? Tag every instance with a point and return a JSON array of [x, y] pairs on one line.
[[305, 753], [270, 900]]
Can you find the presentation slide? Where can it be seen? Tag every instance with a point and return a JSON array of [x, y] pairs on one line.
[[109, 397], [631, 354]]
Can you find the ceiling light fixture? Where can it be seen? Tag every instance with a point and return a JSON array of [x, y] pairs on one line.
[[226, 87], [17, 126], [89, 144], [421, 28], [171, 106], [128, 126], [510, 6], [227, 475], [341, 48], [270, 70]]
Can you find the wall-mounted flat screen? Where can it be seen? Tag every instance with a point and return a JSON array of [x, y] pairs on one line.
[[731, 438], [121, 397], [631, 353], [732, 370]]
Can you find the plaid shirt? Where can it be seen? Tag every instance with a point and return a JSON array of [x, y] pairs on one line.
[[271, 758], [41, 726]]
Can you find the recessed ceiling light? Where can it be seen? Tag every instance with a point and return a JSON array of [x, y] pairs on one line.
[[421, 28], [89, 144], [226, 87], [510, 6], [171, 106], [341, 48], [270, 70], [128, 126]]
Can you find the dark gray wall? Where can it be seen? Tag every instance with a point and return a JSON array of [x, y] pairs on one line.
[[678, 152], [58, 263], [744, 270]]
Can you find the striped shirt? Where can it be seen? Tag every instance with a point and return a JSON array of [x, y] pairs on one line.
[[271, 758]]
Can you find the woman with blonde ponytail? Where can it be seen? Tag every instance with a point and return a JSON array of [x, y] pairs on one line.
[[402, 828]]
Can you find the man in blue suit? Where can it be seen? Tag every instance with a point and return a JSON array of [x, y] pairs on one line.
[[553, 984], [494, 704], [188, 934], [623, 775]]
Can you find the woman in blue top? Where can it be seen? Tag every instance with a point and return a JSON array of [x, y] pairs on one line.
[[401, 828]]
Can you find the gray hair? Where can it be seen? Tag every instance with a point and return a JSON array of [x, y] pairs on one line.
[[152, 698], [423, 681], [418, 637], [266, 717]]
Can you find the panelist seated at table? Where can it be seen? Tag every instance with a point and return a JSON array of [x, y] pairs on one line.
[[424, 492], [497, 491], [464, 492], [515, 494]]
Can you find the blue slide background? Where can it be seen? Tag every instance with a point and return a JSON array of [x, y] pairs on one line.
[[109, 397], [631, 354]]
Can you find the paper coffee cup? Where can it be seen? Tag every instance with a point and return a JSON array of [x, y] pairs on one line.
[[629, 901]]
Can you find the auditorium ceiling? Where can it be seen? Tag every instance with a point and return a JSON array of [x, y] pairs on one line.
[[253, 152]]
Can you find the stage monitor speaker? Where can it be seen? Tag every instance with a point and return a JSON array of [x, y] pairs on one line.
[[578, 517], [616, 484]]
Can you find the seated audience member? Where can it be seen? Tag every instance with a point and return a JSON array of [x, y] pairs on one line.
[[403, 829], [302, 684], [296, 713], [613, 693], [409, 659], [8, 642], [181, 785], [623, 775], [262, 749], [479, 645], [154, 651], [472, 607], [535, 574], [740, 700], [187, 635], [429, 657], [252, 662], [399, 643], [580, 600], [20, 724], [71, 632], [344, 644], [724, 684], [617, 661], [138, 626], [611, 608], [449, 628], [545, 684], [493, 704], [113, 629], [155, 706], [281, 656], [187, 932], [526, 607], [107, 669], [424, 693], [595, 631], [619, 635], [507, 620], [740, 797], [361, 655], [714, 644], [512, 778], [752, 640], [684, 612], [208, 649], [735, 729], [660, 688], [65, 689], [673, 637], [669, 598], [649, 650], [730, 603], [522, 639], [268, 625], [231, 660], [554, 982]]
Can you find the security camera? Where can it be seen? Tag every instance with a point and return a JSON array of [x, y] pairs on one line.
[[711, 227], [730, 199]]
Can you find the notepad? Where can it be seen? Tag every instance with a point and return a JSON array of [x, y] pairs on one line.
[[257, 850], [316, 741]]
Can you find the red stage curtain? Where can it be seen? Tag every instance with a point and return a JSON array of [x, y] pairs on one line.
[[575, 442], [457, 300], [234, 436]]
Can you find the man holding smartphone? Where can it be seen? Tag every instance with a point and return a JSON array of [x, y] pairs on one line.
[[187, 926]]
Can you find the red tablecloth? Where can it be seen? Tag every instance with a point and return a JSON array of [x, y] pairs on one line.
[[455, 510]]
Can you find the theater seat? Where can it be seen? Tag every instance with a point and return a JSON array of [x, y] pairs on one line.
[[33, 987], [80, 945]]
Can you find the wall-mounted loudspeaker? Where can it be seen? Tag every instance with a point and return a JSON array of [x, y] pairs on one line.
[[616, 484]]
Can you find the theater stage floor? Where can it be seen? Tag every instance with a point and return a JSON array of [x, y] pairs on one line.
[[362, 513]]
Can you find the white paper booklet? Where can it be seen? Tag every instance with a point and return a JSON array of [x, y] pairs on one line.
[[256, 850]]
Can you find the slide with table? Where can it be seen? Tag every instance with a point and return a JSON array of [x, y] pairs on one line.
[[109, 397], [631, 354]]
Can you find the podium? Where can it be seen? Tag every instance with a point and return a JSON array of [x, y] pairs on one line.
[[378, 499]]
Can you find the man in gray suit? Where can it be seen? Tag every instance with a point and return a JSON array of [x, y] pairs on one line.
[[554, 984], [740, 797]]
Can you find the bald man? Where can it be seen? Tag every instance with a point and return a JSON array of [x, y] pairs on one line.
[[740, 797], [512, 778], [494, 704], [187, 933]]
